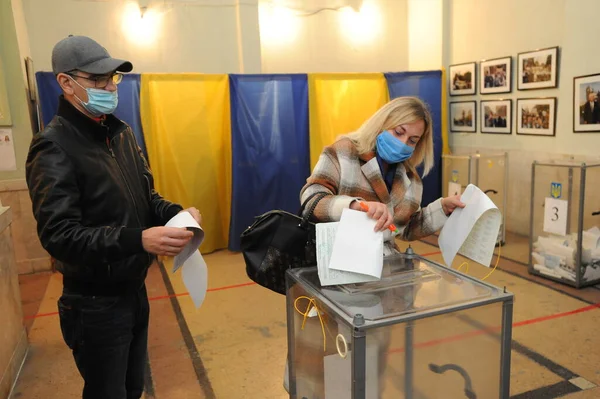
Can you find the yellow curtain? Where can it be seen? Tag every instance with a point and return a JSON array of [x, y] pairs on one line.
[[339, 104], [187, 128], [445, 141]]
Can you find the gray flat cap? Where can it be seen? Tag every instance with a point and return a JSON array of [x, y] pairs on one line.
[[84, 54]]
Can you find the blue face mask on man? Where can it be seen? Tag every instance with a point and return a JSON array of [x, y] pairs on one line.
[[100, 102], [391, 149]]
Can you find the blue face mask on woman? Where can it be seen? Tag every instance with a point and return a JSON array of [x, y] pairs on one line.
[[391, 149], [100, 102]]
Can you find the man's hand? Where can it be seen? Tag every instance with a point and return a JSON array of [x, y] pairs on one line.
[[166, 241], [195, 214]]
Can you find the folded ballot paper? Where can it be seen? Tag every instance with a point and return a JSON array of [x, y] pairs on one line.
[[556, 255], [349, 251], [471, 231], [193, 267]]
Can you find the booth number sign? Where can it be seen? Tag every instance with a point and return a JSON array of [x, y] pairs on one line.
[[555, 211]]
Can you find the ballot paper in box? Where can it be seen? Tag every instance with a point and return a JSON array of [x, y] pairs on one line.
[[564, 230], [556, 256]]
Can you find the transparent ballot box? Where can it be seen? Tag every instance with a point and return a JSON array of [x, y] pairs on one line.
[[564, 239], [489, 172], [422, 331]]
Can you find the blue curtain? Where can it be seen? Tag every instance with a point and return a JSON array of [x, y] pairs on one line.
[[428, 87], [128, 109], [270, 147], [48, 92]]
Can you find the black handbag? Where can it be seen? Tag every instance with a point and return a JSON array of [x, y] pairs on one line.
[[278, 241]]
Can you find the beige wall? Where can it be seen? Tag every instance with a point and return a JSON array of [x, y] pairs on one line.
[[13, 338], [425, 38], [482, 30], [375, 39], [29, 256], [12, 64], [173, 36]]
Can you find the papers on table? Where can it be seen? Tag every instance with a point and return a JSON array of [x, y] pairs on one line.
[[194, 271], [349, 251], [471, 231]]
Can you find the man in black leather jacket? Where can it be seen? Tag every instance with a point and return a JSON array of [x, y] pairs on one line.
[[99, 216]]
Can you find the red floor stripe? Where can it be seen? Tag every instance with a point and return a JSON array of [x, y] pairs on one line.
[[431, 253], [35, 316]]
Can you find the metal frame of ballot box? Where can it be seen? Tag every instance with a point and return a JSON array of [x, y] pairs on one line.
[[359, 326], [473, 176], [573, 167]]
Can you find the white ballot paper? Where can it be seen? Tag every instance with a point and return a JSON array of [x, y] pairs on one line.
[[195, 277], [194, 271], [471, 231], [186, 220], [325, 237], [357, 247]]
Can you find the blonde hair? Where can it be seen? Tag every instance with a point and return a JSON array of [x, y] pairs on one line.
[[399, 111]]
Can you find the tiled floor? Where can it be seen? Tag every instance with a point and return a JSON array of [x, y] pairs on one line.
[[234, 346]]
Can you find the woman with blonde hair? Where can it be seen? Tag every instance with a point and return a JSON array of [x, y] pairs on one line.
[[374, 170]]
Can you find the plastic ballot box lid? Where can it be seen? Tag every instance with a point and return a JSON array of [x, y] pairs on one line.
[[411, 287]]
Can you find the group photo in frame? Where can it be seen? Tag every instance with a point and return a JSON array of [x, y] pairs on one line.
[[495, 75], [586, 103], [496, 116], [537, 69], [536, 116], [463, 116], [462, 79]]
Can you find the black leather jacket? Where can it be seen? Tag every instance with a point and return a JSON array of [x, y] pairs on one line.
[[93, 195]]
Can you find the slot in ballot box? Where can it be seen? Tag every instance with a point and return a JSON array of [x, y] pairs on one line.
[[422, 331]]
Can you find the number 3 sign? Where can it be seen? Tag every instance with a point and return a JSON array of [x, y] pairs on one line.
[[555, 216]]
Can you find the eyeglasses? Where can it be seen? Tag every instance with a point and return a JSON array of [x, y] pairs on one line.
[[101, 81]]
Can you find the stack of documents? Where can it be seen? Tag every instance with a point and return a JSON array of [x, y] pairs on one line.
[[349, 251], [556, 255]]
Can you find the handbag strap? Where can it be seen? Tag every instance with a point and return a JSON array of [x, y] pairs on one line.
[[313, 206]]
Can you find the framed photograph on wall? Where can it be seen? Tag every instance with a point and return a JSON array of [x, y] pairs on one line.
[[30, 79], [496, 116], [537, 69], [536, 116], [5, 119], [462, 79], [495, 76], [463, 116], [586, 103]]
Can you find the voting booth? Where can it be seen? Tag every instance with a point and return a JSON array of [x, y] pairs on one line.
[[488, 171], [565, 222], [421, 331]]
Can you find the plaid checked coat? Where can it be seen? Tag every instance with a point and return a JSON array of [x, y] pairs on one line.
[[348, 176]]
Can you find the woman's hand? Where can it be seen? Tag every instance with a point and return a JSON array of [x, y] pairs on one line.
[[449, 204], [377, 211]]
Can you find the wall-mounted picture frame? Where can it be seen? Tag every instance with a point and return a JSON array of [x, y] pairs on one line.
[[495, 76], [536, 116], [538, 69], [5, 118], [30, 79], [586, 103], [463, 116], [496, 116], [463, 79]]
